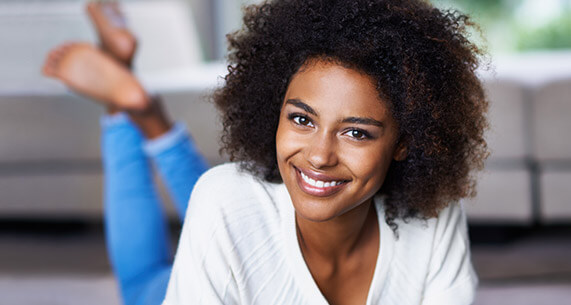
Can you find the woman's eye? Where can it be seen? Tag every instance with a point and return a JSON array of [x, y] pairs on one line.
[[357, 134], [301, 120]]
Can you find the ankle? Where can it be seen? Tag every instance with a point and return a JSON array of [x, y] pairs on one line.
[[112, 110], [136, 100], [123, 48], [128, 94], [152, 121], [126, 46]]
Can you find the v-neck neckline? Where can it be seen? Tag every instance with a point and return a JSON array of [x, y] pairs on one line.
[[300, 269]]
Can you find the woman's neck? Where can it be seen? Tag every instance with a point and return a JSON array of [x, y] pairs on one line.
[[339, 238]]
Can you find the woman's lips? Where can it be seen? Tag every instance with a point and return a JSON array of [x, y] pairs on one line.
[[318, 184]]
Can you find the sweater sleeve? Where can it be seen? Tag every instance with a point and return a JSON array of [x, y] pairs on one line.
[[202, 272], [451, 278]]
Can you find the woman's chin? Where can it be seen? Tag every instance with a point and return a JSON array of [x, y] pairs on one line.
[[314, 212]]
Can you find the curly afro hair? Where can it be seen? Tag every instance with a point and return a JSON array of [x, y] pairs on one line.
[[423, 66]]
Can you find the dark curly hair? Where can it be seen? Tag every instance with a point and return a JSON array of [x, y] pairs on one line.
[[422, 63]]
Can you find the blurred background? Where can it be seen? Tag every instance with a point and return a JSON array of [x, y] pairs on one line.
[[52, 247]]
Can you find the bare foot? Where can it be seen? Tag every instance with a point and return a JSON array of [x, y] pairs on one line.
[[113, 33], [89, 71]]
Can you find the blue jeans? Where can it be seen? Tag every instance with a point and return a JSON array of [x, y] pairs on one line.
[[135, 224]]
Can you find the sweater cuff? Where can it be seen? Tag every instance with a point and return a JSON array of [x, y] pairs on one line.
[[110, 120], [175, 135]]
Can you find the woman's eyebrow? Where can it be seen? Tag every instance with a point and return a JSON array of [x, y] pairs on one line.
[[355, 120], [365, 121], [299, 104]]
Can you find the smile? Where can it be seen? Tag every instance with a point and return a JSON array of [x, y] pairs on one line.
[[318, 183], [318, 186]]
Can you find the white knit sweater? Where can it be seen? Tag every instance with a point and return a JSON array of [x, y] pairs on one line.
[[239, 246]]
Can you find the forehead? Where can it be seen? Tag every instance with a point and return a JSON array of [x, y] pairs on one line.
[[326, 85]]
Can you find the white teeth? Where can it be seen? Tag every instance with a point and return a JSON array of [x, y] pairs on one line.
[[312, 182], [318, 183]]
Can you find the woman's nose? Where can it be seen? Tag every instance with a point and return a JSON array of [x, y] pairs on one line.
[[321, 150]]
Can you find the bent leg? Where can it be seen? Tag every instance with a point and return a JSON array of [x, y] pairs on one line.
[[179, 162], [136, 227], [153, 288]]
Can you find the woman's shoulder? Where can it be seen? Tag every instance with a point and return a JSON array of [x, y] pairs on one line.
[[232, 210], [226, 172], [232, 221], [430, 237], [227, 180], [450, 217], [432, 255], [226, 191]]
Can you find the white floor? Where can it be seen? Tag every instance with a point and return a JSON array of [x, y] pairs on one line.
[[524, 294], [101, 289], [58, 290]]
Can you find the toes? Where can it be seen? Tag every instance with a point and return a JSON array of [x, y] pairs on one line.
[[58, 53], [113, 15], [50, 64], [108, 13], [92, 8], [111, 26], [50, 68], [54, 59], [47, 69]]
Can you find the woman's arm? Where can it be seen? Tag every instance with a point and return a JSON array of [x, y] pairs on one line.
[[202, 272], [451, 278]]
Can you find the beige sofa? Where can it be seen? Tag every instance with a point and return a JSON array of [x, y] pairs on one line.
[[528, 176]]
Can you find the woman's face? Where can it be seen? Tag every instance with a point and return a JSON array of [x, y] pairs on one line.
[[335, 140]]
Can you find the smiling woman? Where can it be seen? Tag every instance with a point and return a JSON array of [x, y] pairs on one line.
[[335, 142], [356, 125], [333, 127]]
